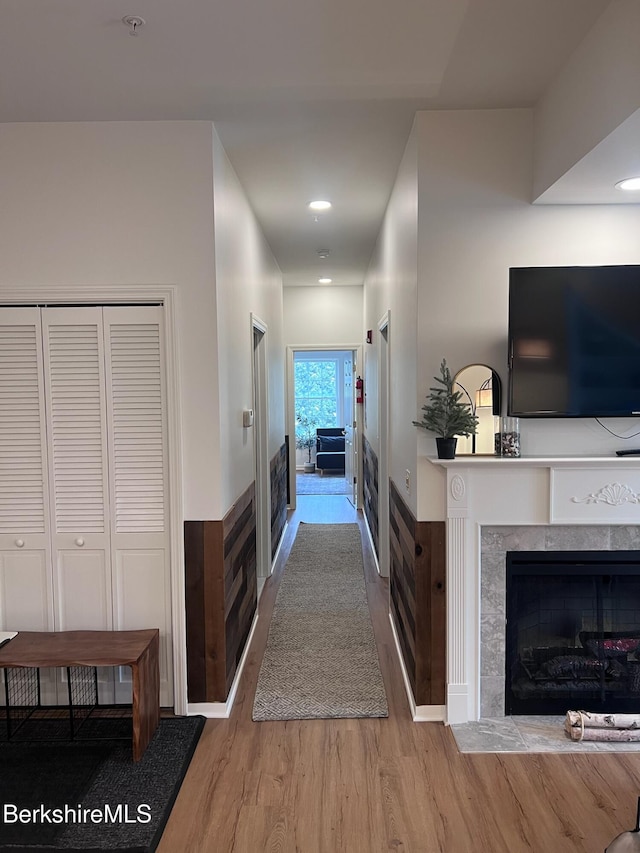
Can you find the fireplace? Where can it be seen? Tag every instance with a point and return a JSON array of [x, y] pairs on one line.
[[545, 504], [573, 631]]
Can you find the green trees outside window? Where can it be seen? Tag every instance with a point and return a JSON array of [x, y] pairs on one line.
[[316, 392]]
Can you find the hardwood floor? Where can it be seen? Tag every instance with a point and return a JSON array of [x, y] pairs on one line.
[[369, 785]]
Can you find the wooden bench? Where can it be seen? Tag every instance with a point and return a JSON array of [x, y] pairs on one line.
[[137, 649]]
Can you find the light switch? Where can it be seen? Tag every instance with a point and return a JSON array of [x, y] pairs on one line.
[[247, 418]]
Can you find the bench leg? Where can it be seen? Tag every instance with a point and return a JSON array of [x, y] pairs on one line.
[[145, 674]]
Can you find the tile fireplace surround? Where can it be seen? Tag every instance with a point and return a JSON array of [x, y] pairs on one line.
[[528, 504]]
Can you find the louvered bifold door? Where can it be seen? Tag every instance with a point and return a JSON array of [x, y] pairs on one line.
[[78, 469], [138, 477], [25, 579]]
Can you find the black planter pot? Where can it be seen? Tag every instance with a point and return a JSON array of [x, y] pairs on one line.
[[446, 448]]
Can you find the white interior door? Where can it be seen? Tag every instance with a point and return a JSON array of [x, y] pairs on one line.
[[138, 481], [26, 593], [78, 471], [261, 451], [84, 512], [350, 465], [383, 450], [78, 474]]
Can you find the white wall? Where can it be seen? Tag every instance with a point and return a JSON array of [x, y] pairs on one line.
[[391, 286], [322, 316], [92, 205], [248, 280], [476, 222]]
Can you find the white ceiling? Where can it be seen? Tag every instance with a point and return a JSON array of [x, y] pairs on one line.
[[311, 99], [593, 178]]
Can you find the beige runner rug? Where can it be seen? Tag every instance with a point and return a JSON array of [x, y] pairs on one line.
[[321, 659]]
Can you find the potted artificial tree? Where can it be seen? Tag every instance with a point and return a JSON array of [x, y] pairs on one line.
[[445, 415], [306, 439]]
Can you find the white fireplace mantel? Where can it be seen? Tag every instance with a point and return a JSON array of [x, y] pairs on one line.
[[487, 490]]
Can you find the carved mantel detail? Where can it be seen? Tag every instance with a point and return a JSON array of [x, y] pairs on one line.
[[457, 487], [613, 494]]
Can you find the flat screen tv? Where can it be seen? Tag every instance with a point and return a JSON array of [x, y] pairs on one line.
[[574, 341]]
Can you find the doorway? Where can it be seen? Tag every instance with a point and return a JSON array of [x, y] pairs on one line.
[[323, 421]]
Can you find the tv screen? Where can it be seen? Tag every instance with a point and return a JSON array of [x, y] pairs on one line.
[[574, 341]]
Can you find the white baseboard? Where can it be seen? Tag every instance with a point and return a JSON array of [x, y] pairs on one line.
[[223, 709], [419, 713], [458, 704], [370, 537], [276, 555], [430, 714], [212, 710]]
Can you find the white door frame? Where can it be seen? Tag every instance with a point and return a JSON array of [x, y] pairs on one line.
[[291, 411], [261, 445], [166, 296], [383, 448]]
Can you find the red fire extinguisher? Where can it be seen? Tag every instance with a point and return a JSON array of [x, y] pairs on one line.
[[359, 390]]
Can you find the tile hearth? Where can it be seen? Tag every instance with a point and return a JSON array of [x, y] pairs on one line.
[[526, 734]]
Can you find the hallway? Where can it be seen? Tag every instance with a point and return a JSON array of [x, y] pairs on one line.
[[369, 785], [321, 509], [321, 484]]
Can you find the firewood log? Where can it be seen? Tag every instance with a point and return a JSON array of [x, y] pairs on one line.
[[587, 720], [609, 735]]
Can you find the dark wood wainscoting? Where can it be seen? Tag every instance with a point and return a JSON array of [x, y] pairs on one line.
[[279, 499], [221, 597], [370, 490], [418, 598]]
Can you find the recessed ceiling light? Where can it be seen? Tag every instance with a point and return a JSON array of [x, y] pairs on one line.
[[325, 280], [629, 184], [319, 205]]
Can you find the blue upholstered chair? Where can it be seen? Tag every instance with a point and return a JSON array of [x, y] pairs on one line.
[[330, 450]]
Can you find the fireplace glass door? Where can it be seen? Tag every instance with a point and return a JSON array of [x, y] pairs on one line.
[[573, 632]]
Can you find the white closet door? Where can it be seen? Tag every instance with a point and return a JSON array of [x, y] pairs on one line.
[[84, 526], [78, 470], [26, 595], [25, 583], [138, 477]]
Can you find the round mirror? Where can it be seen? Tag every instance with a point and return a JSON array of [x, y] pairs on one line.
[[481, 390]]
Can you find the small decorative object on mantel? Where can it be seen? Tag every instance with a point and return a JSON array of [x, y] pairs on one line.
[[627, 842], [507, 436], [446, 415], [481, 389]]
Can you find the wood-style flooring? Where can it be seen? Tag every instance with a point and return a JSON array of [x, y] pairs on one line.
[[363, 786]]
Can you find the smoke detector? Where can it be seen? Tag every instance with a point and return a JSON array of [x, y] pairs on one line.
[[134, 22]]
